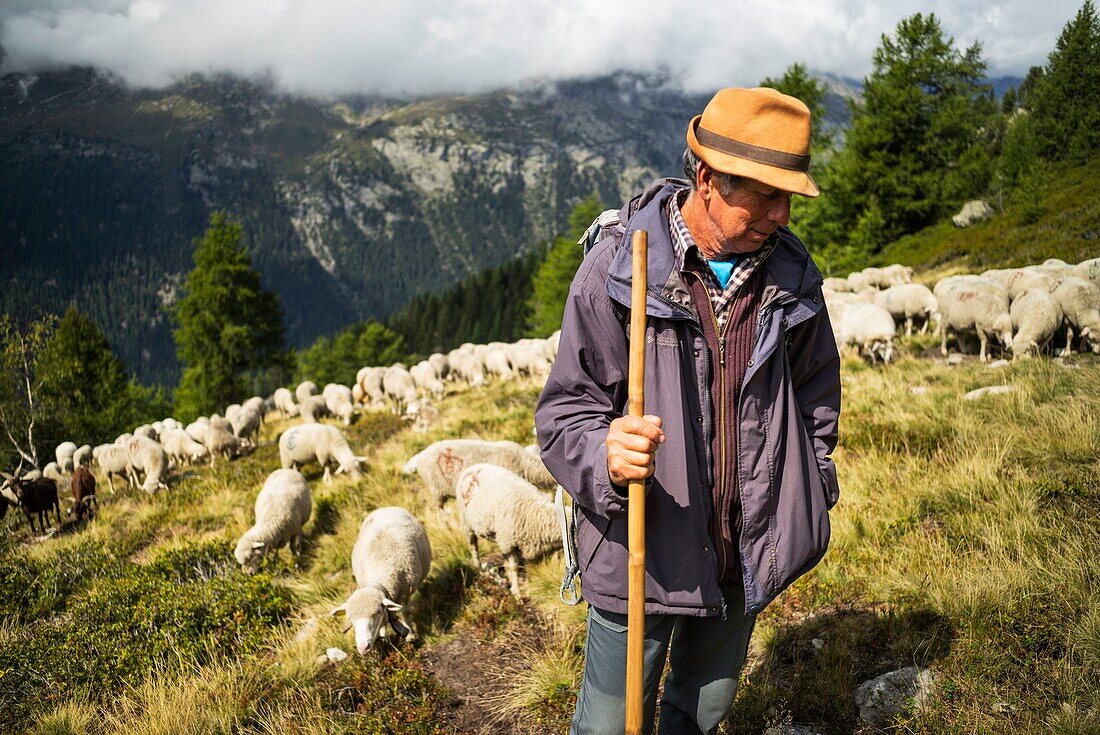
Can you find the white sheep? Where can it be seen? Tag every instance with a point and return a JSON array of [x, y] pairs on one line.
[[498, 505], [221, 441], [64, 453], [318, 443], [839, 285], [149, 457], [400, 388], [370, 382], [312, 409], [305, 389], [1036, 317], [197, 429], [908, 300], [1080, 302], [427, 379], [391, 557], [54, 472], [528, 357], [147, 431], [82, 455], [440, 464], [182, 448], [1088, 270], [282, 509], [977, 309], [339, 401], [246, 424], [284, 403], [857, 282], [439, 361], [870, 328], [115, 460]]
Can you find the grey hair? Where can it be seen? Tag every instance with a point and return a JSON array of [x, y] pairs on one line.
[[726, 182]]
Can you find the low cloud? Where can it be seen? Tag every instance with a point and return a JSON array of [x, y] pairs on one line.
[[429, 46]]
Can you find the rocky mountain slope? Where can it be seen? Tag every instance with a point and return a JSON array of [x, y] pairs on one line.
[[351, 207]]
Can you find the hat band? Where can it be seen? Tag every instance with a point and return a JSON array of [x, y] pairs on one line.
[[767, 156]]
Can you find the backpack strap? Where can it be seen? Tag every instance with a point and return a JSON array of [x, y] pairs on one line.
[[570, 591], [608, 219]]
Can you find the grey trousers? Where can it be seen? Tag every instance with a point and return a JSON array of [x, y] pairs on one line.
[[705, 660]]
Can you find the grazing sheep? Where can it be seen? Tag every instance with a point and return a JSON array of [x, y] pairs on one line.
[[400, 388], [422, 414], [840, 285], [304, 390], [148, 456], [64, 453], [499, 505], [974, 309], [908, 300], [312, 409], [146, 431], [115, 460], [35, 497], [339, 401], [83, 487], [318, 443], [82, 456], [467, 366], [1036, 317], [498, 364], [869, 327], [427, 379], [440, 464], [246, 424], [857, 282], [284, 403], [282, 509], [439, 361], [231, 412], [370, 381], [1088, 270], [182, 448], [1080, 302], [391, 557], [53, 471], [220, 440], [528, 357], [197, 429]]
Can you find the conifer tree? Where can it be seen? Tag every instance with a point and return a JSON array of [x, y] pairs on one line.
[[228, 324], [1065, 100], [86, 392], [915, 147], [550, 283]]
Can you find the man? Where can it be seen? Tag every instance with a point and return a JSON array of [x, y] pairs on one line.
[[742, 386]]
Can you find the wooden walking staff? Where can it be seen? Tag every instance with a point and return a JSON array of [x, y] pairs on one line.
[[635, 631]]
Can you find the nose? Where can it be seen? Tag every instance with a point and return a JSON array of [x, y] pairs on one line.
[[780, 211]]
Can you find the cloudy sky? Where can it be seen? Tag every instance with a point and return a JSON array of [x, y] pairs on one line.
[[429, 46]]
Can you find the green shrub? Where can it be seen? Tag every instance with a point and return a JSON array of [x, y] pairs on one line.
[[187, 606]]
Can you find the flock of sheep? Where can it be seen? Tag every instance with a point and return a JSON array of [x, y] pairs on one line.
[[501, 488], [496, 485], [1027, 310]]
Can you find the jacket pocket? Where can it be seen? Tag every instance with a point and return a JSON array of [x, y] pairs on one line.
[[591, 533]]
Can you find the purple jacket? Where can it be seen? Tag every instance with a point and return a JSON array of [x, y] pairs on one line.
[[787, 424]]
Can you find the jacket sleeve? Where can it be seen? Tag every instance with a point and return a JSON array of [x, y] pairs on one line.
[[815, 373], [585, 391]]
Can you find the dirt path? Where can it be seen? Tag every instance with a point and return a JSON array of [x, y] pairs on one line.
[[476, 665]]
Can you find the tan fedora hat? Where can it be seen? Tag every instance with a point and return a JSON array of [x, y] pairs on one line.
[[759, 133]]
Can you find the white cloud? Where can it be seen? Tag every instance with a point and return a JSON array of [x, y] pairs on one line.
[[426, 46]]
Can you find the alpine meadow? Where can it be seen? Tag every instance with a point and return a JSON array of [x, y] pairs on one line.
[[242, 326]]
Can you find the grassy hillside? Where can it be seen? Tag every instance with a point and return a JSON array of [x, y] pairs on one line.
[[965, 540], [1059, 218]]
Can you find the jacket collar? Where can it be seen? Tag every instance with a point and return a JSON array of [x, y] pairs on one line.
[[790, 273]]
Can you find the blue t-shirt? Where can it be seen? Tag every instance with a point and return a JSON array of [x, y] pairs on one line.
[[723, 269]]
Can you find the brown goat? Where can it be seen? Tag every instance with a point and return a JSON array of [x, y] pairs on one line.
[[36, 497], [83, 486]]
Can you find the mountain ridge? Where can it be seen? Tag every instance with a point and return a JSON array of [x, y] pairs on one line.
[[350, 206]]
